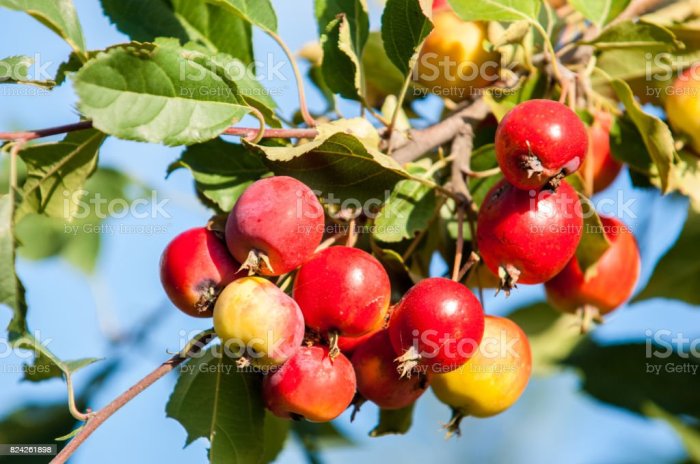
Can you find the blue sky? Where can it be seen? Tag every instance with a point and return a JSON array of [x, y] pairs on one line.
[[553, 422]]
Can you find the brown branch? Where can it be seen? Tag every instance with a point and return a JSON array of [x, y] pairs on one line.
[[422, 141], [247, 132], [39, 133], [105, 413]]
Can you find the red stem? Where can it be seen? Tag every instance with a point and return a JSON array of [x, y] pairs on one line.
[[246, 132]]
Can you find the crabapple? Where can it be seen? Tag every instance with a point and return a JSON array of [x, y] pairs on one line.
[[683, 105], [495, 377], [599, 163], [539, 142], [614, 276], [378, 379], [342, 290], [528, 237], [310, 385], [261, 319], [275, 226], [194, 267], [437, 324], [453, 61]]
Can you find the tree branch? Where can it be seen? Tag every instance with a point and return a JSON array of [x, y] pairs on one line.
[[247, 132], [105, 413], [422, 141]]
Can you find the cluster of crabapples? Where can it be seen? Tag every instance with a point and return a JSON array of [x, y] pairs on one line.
[[335, 339], [530, 224]]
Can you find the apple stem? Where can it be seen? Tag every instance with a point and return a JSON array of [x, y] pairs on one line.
[[333, 350], [452, 426], [509, 276], [256, 262], [408, 362]]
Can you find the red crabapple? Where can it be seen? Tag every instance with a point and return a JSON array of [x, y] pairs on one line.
[[194, 267], [613, 280], [525, 237], [437, 324], [342, 290], [378, 376], [310, 385], [539, 142], [275, 226]]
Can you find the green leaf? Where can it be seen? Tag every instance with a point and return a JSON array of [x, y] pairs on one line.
[[594, 243], [344, 27], [313, 437], [408, 209], [676, 274], [405, 25], [655, 133], [399, 274], [600, 12], [143, 21], [630, 375], [497, 10], [483, 159], [552, 335], [393, 421], [275, 436], [47, 366], [355, 11], [630, 34], [627, 146], [11, 288], [341, 161], [257, 12], [36, 422], [221, 170], [57, 171], [689, 178], [77, 241], [212, 399], [15, 70], [248, 86], [341, 64], [689, 435], [58, 15], [381, 76], [158, 93], [218, 29]]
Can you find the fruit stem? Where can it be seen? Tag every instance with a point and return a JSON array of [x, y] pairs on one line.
[[509, 276], [399, 106], [452, 426], [255, 139], [257, 261], [550, 49], [352, 234], [473, 259], [303, 108], [460, 243], [333, 350], [408, 362], [356, 404]]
